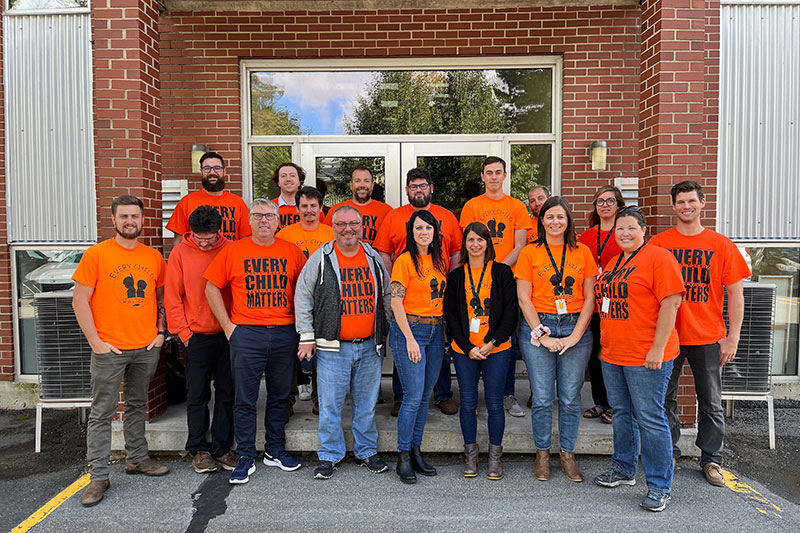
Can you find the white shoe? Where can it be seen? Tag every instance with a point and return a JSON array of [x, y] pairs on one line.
[[304, 392]]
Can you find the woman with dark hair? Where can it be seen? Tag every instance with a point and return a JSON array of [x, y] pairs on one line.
[[639, 298], [417, 335], [480, 308], [555, 287], [599, 239]]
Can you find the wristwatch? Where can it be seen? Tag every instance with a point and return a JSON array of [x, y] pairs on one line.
[[164, 333]]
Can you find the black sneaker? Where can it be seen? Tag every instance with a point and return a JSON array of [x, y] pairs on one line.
[[613, 478], [373, 463], [325, 470], [655, 501]]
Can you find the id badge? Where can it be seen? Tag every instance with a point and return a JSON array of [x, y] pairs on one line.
[[599, 271], [604, 306], [474, 325], [561, 307]]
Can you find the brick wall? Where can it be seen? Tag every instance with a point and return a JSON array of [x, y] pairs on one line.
[[200, 54], [127, 127], [6, 318]]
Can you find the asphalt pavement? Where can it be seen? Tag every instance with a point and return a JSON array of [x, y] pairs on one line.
[[761, 494]]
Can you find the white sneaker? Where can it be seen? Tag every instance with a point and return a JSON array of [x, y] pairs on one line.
[[304, 392]]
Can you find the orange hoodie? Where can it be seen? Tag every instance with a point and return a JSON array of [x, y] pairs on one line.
[[185, 300]]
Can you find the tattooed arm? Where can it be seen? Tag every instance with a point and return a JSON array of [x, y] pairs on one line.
[[161, 319]]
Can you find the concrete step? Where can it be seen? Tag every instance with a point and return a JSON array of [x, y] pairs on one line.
[[168, 432]]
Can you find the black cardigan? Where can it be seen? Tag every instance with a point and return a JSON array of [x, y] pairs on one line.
[[503, 306]]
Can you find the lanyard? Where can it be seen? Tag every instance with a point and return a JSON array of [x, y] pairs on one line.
[[619, 259], [559, 274], [601, 248], [476, 299]]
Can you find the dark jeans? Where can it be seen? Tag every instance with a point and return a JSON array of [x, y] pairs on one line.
[[511, 373], [256, 351], [704, 361], [468, 372], [207, 358], [441, 391], [599, 395]]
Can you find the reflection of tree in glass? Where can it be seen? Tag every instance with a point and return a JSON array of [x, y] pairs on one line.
[[528, 98], [265, 160], [335, 171]]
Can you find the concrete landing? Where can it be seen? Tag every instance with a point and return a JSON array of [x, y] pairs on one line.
[[168, 433]]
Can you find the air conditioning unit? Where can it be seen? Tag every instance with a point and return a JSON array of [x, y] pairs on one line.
[[749, 372], [64, 354]]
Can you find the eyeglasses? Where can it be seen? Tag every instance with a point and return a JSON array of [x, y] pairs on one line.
[[419, 187], [215, 168], [606, 201], [268, 216], [341, 225]]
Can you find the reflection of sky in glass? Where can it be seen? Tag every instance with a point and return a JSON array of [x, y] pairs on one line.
[[322, 100]]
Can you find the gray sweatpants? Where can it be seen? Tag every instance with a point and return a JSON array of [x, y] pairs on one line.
[[136, 368]]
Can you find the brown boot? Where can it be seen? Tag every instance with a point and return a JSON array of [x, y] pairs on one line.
[[94, 492], [203, 462], [471, 462], [570, 467], [495, 467], [148, 467], [541, 469]]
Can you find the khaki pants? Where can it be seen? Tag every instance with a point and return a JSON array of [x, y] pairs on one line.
[[136, 369]]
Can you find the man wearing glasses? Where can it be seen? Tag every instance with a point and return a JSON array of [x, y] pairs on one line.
[[231, 208], [342, 310], [261, 272], [391, 242], [205, 345]]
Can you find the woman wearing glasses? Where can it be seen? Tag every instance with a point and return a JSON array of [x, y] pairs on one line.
[[599, 238], [481, 310], [417, 335], [638, 296], [555, 288]]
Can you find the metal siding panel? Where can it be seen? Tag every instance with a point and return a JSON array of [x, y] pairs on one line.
[[759, 185], [49, 150]]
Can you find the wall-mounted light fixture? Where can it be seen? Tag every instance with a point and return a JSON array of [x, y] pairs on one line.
[[197, 152], [599, 152]]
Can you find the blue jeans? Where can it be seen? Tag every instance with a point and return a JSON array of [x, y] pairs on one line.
[[636, 395], [417, 379], [468, 372], [544, 367], [443, 389], [357, 366], [256, 351]]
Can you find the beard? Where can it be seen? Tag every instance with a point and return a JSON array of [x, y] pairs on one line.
[[213, 187], [131, 234], [362, 195], [420, 200]]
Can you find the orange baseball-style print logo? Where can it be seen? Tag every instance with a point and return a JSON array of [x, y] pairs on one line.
[[132, 284]]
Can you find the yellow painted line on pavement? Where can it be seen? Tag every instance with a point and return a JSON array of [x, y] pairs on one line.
[[52, 505], [736, 485]]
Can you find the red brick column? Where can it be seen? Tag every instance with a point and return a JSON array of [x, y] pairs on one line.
[[127, 123], [678, 114], [6, 318]]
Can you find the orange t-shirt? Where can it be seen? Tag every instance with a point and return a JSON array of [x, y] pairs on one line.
[[372, 216], [534, 231], [611, 248], [262, 280], [288, 214], [482, 312], [358, 296], [503, 217], [124, 304], [534, 265], [424, 291], [232, 209], [709, 262], [391, 238], [308, 241], [635, 292]]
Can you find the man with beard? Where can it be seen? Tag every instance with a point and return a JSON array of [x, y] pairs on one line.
[[231, 208], [391, 242], [372, 211], [125, 329], [537, 196], [342, 310]]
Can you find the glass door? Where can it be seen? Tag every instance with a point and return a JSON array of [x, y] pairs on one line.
[[328, 167]]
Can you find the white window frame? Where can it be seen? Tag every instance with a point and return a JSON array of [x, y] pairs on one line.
[[554, 138], [46, 11]]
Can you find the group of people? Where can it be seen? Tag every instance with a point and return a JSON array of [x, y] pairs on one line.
[[309, 301]]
